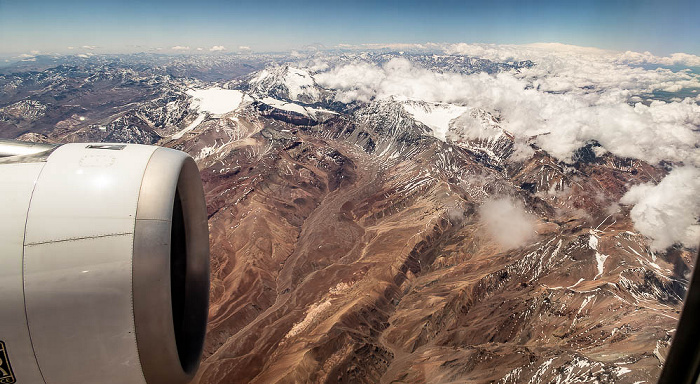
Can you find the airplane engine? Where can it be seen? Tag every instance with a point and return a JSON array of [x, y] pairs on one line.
[[104, 264]]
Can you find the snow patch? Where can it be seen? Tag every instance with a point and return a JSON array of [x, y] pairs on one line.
[[292, 107], [593, 241], [600, 260], [599, 257], [436, 116], [190, 127], [216, 100], [623, 370]]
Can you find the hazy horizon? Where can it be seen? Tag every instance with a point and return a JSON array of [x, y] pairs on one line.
[[72, 27]]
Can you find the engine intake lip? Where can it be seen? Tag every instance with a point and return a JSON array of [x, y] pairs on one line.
[[170, 269]]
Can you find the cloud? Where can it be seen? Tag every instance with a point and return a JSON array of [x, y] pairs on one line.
[[27, 57], [70, 48], [668, 212], [569, 68], [180, 48], [361, 81], [90, 47], [539, 51], [312, 48], [413, 47], [507, 222], [393, 46], [571, 96], [217, 48], [200, 48], [682, 59], [244, 48], [314, 65]]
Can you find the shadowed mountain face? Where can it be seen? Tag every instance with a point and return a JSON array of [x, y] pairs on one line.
[[349, 244]]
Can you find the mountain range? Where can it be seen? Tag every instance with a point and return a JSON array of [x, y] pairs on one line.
[[392, 239]]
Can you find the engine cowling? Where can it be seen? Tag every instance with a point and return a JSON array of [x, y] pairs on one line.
[[104, 265]]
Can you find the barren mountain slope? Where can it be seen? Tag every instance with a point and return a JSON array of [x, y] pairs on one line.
[[354, 252]]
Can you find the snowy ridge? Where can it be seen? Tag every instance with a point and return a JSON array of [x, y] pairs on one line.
[[470, 128], [310, 112], [285, 82], [437, 116]]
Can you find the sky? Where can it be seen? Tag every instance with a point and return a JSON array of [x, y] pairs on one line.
[[52, 26]]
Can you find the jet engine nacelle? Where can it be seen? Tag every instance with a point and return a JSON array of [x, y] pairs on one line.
[[104, 264]]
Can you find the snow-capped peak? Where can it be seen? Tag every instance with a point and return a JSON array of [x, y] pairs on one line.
[[437, 116], [285, 82]]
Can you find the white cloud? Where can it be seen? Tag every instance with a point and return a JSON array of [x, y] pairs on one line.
[[244, 48], [361, 81], [34, 52], [507, 222], [200, 48], [540, 51], [668, 212], [180, 48], [648, 58], [315, 65], [71, 48], [392, 46], [573, 95], [217, 48], [90, 47], [570, 68], [25, 56]]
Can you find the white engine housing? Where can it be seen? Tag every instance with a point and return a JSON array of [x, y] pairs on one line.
[[104, 265]]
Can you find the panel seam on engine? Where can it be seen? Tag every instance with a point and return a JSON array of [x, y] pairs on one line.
[[24, 268], [79, 238]]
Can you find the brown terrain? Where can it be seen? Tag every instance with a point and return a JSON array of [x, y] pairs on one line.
[[350, 248]]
